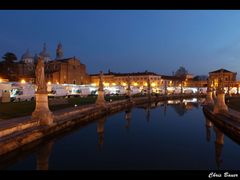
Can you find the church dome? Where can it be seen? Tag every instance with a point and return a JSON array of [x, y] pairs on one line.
[[26, 55]]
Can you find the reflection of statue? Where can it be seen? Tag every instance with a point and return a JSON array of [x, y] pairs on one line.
[[40, 79], [148, 113], [128, 117], [218, 152], [165, 108], [208, 129], [43, 155], [208, 133], [218, 146], [100, 131]]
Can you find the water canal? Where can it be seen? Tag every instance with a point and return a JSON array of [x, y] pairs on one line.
[[163, 136]]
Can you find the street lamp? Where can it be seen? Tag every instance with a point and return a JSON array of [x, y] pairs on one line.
[[23, 81]]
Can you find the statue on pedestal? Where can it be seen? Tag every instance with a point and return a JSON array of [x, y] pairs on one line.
[[40, 78], [101, 81]]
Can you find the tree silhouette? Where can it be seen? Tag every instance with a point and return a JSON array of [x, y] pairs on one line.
[[8, 67], [9, 57], [181, 72]]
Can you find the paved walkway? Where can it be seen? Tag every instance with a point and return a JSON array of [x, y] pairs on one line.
[[234, 112], [7, 123]]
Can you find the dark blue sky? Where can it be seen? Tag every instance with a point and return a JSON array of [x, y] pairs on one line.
[[126, 41]]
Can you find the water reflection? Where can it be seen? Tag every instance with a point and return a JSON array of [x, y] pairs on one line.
[[43, 155], [168, 152], [148, 114], [208, 129], [128, 116], [218, 143], [218, 146], [100, 131], [184, 105], [165, 108]]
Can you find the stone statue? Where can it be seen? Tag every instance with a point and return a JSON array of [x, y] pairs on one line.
[[128, 83], [101, 81], [40, 79]]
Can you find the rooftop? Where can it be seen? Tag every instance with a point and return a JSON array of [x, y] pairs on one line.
[[128, 74], [221, 70]]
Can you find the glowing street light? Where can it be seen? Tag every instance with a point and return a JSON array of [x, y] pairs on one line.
[[106, 84], [23, 81], [124, 84], [153, 84]]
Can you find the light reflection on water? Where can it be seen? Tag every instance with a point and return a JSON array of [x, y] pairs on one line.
[[164, 135]]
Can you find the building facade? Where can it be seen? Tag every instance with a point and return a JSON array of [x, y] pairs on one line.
[[227, 77], [66, 71], [139, 79]]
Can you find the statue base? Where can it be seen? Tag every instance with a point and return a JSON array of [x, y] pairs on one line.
[[220, 105], [42, 112], [100, 99]]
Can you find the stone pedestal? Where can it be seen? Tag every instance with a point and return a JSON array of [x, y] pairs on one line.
[[5, 96], [209, 98], [220, 105], [42, 112], [100, 99], [214, 96]]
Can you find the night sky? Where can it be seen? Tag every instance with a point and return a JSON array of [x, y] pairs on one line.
[[129, 41]]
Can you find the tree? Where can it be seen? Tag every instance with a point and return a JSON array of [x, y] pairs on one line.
[[181, 72], [9, 57], [8, 67]]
